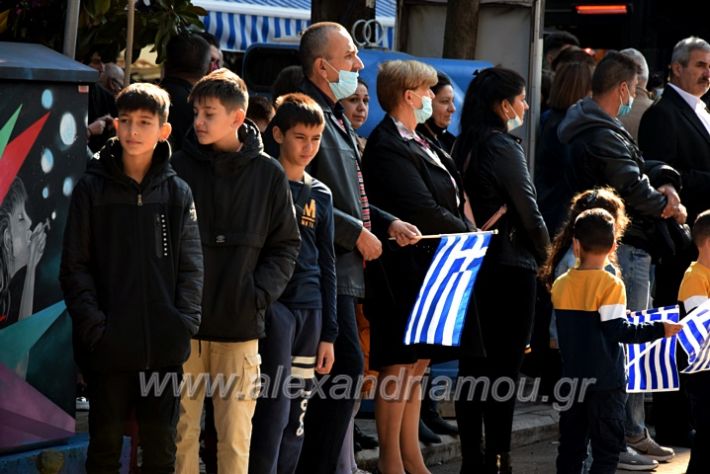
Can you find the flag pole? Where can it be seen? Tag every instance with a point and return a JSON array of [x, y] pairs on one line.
[[438, 236]]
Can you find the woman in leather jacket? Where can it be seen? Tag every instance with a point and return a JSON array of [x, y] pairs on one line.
[[497, 181]]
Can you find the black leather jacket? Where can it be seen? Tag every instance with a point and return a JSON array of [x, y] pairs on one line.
[[335, 165], [497, 175], [603, 153]]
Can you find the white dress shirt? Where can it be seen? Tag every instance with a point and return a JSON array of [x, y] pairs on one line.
[[696, 104]]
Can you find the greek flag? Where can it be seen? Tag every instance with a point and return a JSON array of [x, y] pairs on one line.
[[651, 366], [694, 339], [440, 310]]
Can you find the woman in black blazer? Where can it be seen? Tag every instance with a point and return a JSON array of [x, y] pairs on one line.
[[412, 178], [496, 178]]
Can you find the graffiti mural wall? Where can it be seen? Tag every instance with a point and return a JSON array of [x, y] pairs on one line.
[[42, 155]]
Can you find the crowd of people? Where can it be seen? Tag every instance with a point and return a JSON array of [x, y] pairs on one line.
[[264, 249]]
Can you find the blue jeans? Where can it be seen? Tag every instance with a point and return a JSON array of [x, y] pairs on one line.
[[636, 272]]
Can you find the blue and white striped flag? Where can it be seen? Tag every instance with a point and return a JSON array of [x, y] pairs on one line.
[[440, 310], [651, 366], [694, 339]]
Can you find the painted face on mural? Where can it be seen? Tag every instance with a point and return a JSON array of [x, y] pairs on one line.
[[20, 232]]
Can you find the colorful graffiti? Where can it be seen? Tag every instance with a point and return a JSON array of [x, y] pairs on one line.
[[42, 154]]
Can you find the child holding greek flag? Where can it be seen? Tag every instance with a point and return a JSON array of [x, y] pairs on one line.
[[590, 304], [695, 291]]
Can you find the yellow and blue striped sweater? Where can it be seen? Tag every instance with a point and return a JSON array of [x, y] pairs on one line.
[[591, 322]]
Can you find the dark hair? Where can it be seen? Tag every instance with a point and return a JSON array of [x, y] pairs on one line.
[[612, 70], [15, 197], [260, 108], [188, 55], [487, 89], [314, 43], [573, 54], [594, 229], [442, 80], [572, 82], [223, 85], [296, 108], [599, 198], [210, 38], [289, 80], [701, 228], [559, 39], [144, 96], [361, 81]]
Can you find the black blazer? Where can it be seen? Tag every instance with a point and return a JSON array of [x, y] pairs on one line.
[[671, 132], [402, 179]]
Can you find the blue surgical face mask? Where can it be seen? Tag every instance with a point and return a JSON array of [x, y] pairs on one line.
[[515, 122], [422, 114], [346, 85], [625, 109]]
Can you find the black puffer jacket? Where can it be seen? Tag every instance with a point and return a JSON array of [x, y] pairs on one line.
[[131, 268], [603, 153], [249, 233]]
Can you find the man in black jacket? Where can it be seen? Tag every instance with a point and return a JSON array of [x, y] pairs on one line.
[[676, 130], [250, 241], [604, 154], [131, 274], [330, 64], [187, 59]]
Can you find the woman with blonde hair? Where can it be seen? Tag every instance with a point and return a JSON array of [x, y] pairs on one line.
[[407, 176]]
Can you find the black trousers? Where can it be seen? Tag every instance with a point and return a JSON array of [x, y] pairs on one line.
[[599, 418], [506, 300], [113, 396], [328, 416], [699, 393]]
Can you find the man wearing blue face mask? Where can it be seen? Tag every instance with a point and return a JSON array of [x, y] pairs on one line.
[[330, 66], [603, 153]]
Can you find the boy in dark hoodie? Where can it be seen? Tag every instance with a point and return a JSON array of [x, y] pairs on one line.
[[250, 241], [131, 274]]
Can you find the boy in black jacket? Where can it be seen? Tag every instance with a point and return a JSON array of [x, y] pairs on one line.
[[250, 241], [302, 325], [131, 274]]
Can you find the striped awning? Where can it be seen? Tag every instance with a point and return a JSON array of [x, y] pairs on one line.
[[237, 24]]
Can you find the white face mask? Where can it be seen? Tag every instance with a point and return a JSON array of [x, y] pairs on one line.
[[422, 114], [513, 123], [346, 85]]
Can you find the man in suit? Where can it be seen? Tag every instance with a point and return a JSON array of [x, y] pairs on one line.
[[676, 130]]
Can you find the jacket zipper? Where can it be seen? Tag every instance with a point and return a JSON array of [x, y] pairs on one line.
[[139, 203]]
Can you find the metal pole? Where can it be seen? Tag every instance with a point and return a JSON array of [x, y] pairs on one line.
[[129, 41], [535, 78], [71, 24]]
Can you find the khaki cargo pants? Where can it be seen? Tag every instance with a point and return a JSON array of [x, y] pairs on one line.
[[230, 372]]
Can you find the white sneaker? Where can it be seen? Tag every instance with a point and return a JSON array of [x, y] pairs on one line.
[[82, 404], [630, 460], [648, 447]]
